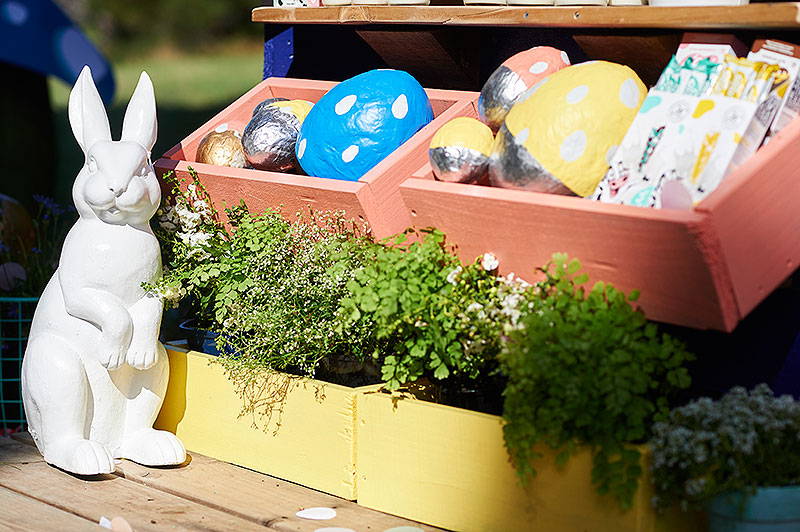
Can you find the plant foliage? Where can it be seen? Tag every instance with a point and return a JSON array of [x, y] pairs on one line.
[[587, 369], [433, 317], [743, 441], [270, 287]]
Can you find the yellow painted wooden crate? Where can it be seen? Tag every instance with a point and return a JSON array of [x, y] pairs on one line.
[[308, 439], [448, 467]]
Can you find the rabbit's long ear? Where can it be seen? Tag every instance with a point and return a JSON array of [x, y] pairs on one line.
[[87, 116], [140, 123]]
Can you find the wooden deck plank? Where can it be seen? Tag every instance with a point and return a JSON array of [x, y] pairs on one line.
[[23, 514], [144, 508], [257, 497], [243, 493], [778, 15]]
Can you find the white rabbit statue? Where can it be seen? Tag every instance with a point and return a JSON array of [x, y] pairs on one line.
[[94, 373]]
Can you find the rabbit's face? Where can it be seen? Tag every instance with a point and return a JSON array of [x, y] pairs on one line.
[[118, 183]]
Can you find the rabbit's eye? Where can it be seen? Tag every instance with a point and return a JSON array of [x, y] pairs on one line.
[[92, 164]]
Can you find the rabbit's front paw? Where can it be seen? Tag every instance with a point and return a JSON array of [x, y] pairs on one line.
[[111, 354], [142, 355]]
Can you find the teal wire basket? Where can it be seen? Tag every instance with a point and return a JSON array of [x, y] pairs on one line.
[[16, 314]]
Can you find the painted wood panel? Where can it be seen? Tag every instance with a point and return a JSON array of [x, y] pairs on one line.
[[293, 428], [448, 467], [671, 256]]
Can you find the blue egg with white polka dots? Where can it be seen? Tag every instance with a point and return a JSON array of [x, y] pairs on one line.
[[359, 122]]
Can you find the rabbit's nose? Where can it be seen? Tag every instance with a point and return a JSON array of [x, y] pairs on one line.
[[117, 191]]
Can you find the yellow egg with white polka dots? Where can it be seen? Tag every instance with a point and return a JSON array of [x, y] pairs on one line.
[[559, 136]]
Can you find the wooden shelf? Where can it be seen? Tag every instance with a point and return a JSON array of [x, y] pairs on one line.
[[783, 15]]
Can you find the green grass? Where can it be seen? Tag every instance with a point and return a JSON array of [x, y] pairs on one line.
[[189, 90]]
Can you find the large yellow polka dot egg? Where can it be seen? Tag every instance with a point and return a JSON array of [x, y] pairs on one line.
[[559, 136]]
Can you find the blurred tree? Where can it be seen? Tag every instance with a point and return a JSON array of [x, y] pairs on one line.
[[122, 27]]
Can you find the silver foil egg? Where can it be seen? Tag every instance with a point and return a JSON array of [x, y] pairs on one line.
[[269, 138], [499, 93], [512, 166], [457, 164]]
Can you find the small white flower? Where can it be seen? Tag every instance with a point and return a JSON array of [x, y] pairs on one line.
[[189, 220], [489, 262], [170, 293], [474, 307], [451, 277]]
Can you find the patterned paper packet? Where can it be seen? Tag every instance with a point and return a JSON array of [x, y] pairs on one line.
[[698, 76], [737, 74], [690, 77], [690, 141], [787, 81]]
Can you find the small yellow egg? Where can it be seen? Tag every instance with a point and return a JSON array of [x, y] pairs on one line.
[[298, 108], [466, 132], [459, 151]]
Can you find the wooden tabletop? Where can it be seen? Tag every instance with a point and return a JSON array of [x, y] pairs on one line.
[[782, 15], [204, 494]]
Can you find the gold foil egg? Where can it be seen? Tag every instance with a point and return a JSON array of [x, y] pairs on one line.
[[222, 147], [559, 136], [459, 151]]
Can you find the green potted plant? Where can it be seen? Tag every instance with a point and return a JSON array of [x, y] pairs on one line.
[[585, 368], [434, 320], [738, 457], [266, 288]]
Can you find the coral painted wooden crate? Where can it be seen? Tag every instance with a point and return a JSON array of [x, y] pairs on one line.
[[704, 268], [374, 198], [309, 437], [448, 467]]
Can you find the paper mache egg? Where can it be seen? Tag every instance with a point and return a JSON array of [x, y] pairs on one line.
[[517, 74], [269, 138], [359, 122], [559, 137], [459, 151], [222, 147]]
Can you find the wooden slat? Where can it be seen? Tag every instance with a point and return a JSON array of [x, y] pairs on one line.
[[144, 508], [25, 514], [761, 15], [249, 495], [257, 497]]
